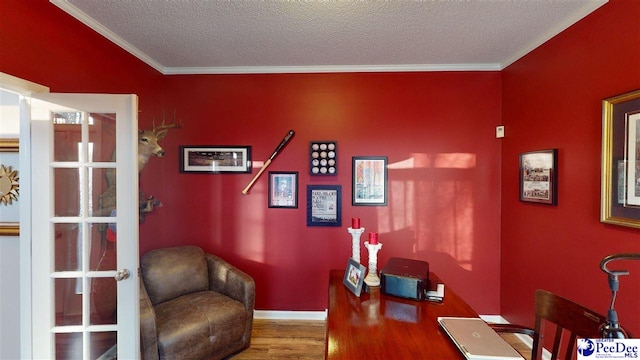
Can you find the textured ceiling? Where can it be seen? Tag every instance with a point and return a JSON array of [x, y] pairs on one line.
[[264, 36]]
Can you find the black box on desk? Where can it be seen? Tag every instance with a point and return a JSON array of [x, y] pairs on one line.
[[405, 278]]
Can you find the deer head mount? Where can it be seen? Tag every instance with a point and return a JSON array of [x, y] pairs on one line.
[[148, 146], [148, 141]]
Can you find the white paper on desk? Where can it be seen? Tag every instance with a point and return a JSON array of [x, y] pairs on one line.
[[438, 293]]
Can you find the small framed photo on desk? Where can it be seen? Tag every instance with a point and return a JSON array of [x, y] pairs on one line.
[[354, 276]]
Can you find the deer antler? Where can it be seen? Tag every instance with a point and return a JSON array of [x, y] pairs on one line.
[[162, 130]]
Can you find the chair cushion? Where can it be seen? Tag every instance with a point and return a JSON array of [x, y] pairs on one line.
[[194, 325], [171, 272]]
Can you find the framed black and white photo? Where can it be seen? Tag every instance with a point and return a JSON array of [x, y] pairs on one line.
[[283, 189], [369, 182], [354, 276], [324, 205], [215, 159], [539, 176]]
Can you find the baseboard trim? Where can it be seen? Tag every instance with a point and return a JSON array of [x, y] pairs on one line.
[[496, 319], [290, 315]]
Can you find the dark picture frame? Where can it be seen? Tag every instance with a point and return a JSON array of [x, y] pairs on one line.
[[539, 176], [283, 189], [324, 205], [215, 159], [620, 172], [354, 276], [369, 181], [323, 158]]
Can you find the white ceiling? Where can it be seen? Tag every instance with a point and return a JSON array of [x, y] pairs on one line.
[[285, 36]]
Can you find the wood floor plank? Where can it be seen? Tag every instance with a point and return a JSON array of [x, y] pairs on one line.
[[285, 339]]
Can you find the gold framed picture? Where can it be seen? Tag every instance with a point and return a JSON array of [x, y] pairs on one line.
[[620, 193]]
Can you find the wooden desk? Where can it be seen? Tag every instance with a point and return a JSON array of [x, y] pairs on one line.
[[379, 326]]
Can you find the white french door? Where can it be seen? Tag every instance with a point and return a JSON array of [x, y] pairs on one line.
[[84, 228]]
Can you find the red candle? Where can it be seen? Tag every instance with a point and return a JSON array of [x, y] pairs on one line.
[[373, 238], [355, 223]]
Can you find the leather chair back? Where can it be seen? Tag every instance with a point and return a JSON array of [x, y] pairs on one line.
[[171, 272]]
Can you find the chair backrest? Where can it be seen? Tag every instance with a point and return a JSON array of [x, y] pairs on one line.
[[171, 272], [570, 318]]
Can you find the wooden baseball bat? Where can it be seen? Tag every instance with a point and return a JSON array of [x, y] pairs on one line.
[[266, 164]]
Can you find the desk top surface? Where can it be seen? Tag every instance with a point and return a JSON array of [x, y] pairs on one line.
[[380, 326]]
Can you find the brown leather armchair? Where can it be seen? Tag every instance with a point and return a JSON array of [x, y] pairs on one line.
[[193, 305]]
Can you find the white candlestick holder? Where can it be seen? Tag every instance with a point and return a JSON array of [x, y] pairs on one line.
[[355, 242], [372, 278]]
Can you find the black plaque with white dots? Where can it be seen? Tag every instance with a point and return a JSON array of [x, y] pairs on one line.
[[323, 158]]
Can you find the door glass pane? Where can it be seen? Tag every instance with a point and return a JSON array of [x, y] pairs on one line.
[[67, 135], [103, 301], [103, 248], [67, 191], [102, 135], [68, 301], [103, 289], [102, 186], [69, 346], [103, 345], [68, 246]]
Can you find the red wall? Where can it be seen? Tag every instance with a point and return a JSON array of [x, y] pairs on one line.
[[436, 128], [443, 209], [552, 99], [41, 43]]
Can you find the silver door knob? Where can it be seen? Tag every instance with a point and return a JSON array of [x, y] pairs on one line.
[[122, 274]]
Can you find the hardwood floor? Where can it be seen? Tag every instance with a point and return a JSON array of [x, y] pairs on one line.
[[298, 339], [285, 339], [522, 348]]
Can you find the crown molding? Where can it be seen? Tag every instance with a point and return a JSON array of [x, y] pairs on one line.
[[328, 69]]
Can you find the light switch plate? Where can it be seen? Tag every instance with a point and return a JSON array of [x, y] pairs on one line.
[[500, 132]]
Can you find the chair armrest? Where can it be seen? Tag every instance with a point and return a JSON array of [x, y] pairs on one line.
[[513, 329], [148, 334], [231, 281]]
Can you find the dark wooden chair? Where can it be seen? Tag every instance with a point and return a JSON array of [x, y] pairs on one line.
[[569, 319]]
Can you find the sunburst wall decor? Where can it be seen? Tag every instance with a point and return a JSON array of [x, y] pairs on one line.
[[8, 185]]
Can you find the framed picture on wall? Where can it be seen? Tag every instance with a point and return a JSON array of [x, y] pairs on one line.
[[539, 176], [324, 205], [9, 188], [283, 189], [215, 159], [620, 192], [369, 180]]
